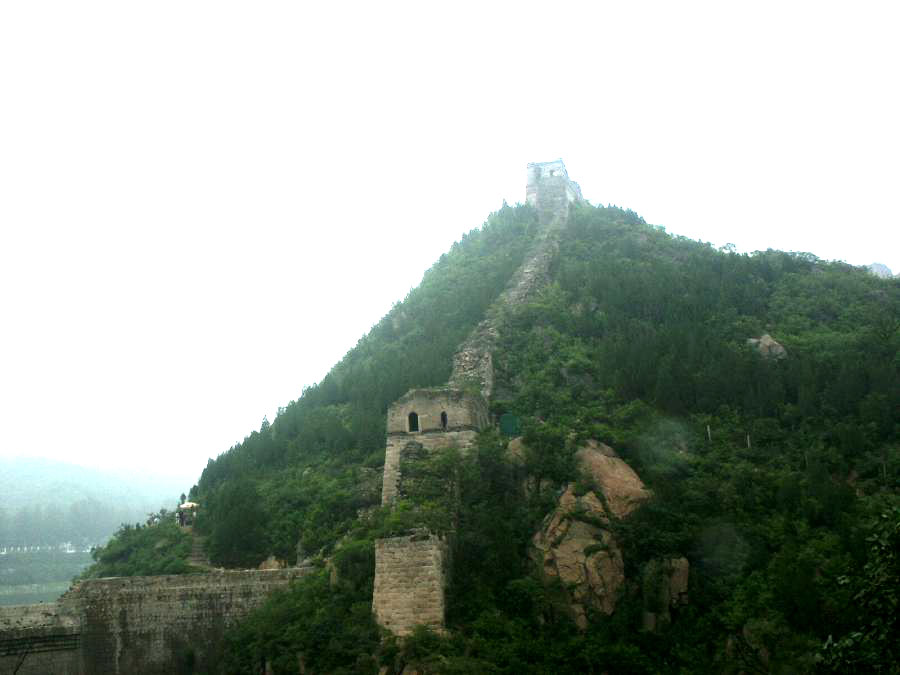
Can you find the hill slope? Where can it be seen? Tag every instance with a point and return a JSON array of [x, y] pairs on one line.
[[767, 474]]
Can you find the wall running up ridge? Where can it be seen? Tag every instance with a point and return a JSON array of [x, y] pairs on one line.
[[412, 571], [175, 624]]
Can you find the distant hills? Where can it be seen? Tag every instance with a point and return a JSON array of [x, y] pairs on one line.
[[27, 481], [47, 502]]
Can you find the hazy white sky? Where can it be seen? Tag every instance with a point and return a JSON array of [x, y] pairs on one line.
[[203, 205]]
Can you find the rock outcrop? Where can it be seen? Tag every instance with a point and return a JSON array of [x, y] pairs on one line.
[[575, 543], [665, 585], [621, 487], [768, 347], [881, 271]]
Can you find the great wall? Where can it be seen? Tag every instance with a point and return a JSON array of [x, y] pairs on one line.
[[125, 625], [174, 624], [411, 571]]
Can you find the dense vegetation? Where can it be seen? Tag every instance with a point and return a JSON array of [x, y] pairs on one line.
[[776, 478], [159, 547], [766, 472], [305, 475]]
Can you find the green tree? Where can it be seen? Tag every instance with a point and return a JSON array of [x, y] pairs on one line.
[[874, 643], [238, 531], [143, 550]]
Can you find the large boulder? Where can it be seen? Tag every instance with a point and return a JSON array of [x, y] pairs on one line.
[[768, 347], [620, 485], [575, 543]]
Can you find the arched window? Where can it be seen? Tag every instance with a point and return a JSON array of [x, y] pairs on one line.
[[444, 421], [413, 422]]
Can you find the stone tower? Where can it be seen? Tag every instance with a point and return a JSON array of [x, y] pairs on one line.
[[548, 185], [412, 571], [429, 419]]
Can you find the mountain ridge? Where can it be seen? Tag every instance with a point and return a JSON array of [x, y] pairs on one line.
[[766, 475]]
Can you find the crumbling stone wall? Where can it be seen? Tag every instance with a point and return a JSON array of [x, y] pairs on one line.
[[465, 415], [463, 411], [126, 625], [551, 192], [412, 571], [411, 575], [548, 183], [473, 367], [39, 639]]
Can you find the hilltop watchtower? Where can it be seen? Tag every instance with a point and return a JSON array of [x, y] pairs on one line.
[[548, 185]]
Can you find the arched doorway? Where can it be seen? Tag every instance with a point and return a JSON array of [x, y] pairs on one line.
[[413, 422]]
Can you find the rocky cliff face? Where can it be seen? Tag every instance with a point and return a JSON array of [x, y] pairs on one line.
[[575, 543]]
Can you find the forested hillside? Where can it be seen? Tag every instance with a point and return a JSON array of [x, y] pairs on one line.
[[301, 476], [776, 478]]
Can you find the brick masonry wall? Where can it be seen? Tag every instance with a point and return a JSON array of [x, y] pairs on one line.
[[463, 410], [466, 414], [430, 441], [411, 575], [39, 639], [147, 625]]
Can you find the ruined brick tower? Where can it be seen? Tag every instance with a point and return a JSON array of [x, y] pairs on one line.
[[412, 571], [548, 185]]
